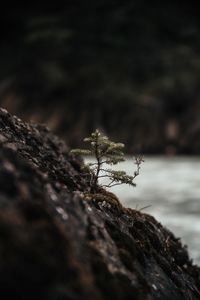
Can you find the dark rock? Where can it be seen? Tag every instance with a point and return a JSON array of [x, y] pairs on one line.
[[55, 245]]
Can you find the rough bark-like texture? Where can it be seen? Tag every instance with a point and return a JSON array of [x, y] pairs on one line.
[[55, 245]]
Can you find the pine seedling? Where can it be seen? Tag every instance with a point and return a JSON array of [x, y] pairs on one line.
[[106, 152]]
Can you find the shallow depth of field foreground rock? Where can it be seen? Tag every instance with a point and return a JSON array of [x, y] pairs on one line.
[[55, 245]]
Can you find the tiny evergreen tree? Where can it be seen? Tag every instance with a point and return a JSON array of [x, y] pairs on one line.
[[106, 152]]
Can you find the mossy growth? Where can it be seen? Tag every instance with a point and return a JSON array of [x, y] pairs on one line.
[[103, 196], [106, 152]]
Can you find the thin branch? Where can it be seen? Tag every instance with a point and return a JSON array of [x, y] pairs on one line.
[[103, 161], [147, 206], [119, 183], [104, 170], [113, 180], [103, 176]]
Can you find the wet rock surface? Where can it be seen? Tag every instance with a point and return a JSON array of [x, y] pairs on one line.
[[56, 245]]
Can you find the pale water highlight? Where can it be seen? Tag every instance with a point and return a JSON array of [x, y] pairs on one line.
[[171, 187]]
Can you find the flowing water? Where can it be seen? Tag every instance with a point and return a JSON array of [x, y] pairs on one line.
[[171, 189]]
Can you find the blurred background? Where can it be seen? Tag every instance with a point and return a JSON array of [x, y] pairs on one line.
[[130, 68]]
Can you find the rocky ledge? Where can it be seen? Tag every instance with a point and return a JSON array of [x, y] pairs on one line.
[[57, 245]]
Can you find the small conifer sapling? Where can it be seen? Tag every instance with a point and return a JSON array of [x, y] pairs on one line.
[[106, 152]]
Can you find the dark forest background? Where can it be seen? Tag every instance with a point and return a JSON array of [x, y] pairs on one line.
[[131, 68]]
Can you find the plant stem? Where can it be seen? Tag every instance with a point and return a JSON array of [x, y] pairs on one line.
[[98, 161]]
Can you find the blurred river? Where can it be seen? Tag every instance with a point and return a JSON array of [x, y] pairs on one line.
[[171, 186]]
